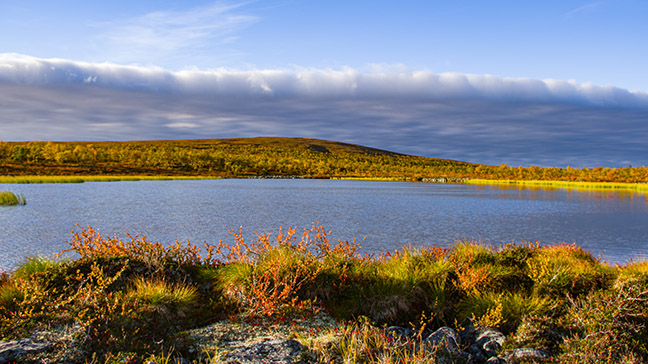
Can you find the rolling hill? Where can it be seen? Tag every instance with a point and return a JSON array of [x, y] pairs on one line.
[[269, 157]]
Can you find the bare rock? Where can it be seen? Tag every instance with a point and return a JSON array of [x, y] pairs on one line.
[[527, 355], [490, 341], [446, 338], [274, 351], [13, 350]]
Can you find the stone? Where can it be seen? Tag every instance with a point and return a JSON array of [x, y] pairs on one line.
[[527, 354], [490, 341], [13, 350], [273, 351], [477, 353], [495, 360], [445, 337]]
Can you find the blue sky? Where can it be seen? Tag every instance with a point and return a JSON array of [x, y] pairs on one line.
[[543, 83]]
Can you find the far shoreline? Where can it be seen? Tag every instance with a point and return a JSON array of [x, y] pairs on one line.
[[588, 186]]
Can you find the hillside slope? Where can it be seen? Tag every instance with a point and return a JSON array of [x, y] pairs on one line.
[[240, 157], [269, 156]]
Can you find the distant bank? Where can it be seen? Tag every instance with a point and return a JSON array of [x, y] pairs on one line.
[[271, 157]]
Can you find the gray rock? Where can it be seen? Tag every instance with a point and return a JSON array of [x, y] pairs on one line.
[[495, 360], [274, 351], [527, 354], [13, 350], [477, 353], [490, 341], [445, 337]]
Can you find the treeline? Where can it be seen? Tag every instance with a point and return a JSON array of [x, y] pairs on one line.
[[249, 157]]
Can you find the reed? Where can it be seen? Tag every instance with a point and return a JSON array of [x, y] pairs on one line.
[[9, 199], [588, 186], [90, 178]]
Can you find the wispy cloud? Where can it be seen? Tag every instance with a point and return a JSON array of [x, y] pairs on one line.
[[161, 35], [583, 9], [478, 118]]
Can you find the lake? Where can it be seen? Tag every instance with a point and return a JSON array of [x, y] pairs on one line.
[[387, 215]]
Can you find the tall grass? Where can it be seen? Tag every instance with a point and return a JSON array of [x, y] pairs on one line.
[[594, 186], [81, 179], [9, 199]]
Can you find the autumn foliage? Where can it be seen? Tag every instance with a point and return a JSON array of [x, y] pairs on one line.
[[125, 298], [310, 158]]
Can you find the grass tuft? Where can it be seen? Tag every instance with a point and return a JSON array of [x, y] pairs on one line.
[[160, 293], [567, 269], [34, 265], [9, 199]]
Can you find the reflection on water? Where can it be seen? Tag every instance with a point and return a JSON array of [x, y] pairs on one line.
[[387, 215], [572, 192]]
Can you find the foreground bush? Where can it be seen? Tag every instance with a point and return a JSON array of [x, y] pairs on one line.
[[137, 296]]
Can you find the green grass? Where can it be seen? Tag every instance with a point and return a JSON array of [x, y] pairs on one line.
[[9, 199], [81, 179], [159, 292], [34, 265]]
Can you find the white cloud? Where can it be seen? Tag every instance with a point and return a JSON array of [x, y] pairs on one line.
[[170, 34], [182, 125], [480, 118], [346, 82]]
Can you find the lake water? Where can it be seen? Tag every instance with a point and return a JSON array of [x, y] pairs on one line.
[[388, 215]]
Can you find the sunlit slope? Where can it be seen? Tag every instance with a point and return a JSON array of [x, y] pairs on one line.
[[267, 157], [241, 157]]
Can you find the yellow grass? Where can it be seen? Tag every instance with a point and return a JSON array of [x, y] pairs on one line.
[[81, 179], [594, 186]]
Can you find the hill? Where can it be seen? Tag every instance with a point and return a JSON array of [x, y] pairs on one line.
[[269, 157], [240, 157]]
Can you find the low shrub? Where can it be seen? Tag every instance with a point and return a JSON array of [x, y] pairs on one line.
[[10, 294], [634, 272], [608, 327]]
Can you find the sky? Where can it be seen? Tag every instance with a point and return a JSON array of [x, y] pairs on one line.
[[551, 83]]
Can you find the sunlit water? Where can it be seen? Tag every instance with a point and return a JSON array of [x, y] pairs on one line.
[[388, 215]]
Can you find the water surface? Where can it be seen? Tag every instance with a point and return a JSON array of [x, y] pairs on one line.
[[388, 215]]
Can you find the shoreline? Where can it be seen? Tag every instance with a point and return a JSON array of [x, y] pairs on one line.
[[584, 186], [317, 302]]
